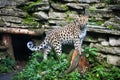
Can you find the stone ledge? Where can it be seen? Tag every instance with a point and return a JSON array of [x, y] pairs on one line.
[[78, 6], [108, 49], [105, 30], [114, 7], [115, 60], [83, 1]]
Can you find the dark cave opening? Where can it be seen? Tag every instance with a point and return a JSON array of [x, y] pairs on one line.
[[21, 52]]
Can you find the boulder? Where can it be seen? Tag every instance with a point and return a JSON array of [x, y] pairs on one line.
[[112, 25], [101, 13], [78, 6], [13, 3], [84, 1], [37, 6], [114, 41], [108, 49], [43, 7], [104, 31], [2, 23], [11, 19], [100, 5], [57, 15], [90, 39], [59, 7], [114, 7], [89, 1], [105, 43], [114, 60], [40, 15], [12, 12], [116, 19], [58, 22]]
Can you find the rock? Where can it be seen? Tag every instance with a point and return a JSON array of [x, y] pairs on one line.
[[72, 14], [40, 15], [12, 12], [2, 23], [112, 59], [4, 3], [105, 43], [39, 6], [55, 27], [52, 22], [114, 7], [43, 6], [58, 22], [100, 57], [112, 25], [57, 15], [101, 39], [78, 6], [116, 19], [11, 19], [104, 31], [114, 41], [91, 39], [84, 1], [59, 7], [101, 13], [108, 49], [89, 1], [71, 0], [12, 3], [100, 5]]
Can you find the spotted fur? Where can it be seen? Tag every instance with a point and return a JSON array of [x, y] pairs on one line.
[[71, 33]]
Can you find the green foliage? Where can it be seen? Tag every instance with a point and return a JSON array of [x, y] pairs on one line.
[[30, 21], [63, 6], [68, 18], [91, 54], [31, 5], [6, 65], [38, 69], [110, 27], [51, 67], [92, 9], [108, 1], [112, 1], [93, 21]]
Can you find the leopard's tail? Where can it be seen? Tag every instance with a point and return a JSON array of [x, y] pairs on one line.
[[32, 47]]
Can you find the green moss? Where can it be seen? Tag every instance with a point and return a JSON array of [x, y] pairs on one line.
[[93, 21], [92, 9], [27, 7], [112, 2], [110, 27], [99, 22], [68, 18], [29, 21], [64, 6]]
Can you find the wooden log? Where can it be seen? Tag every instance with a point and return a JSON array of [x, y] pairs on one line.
[[35, 32]]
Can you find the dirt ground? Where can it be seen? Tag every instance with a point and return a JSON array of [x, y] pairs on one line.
[[7, 76]]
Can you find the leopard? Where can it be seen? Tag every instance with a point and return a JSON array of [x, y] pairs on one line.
[[72, 33]]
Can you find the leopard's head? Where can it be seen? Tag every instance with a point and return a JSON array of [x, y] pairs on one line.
[[82, 20]]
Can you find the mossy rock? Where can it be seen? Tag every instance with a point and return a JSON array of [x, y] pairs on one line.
[[30, 21], [59, 6]]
